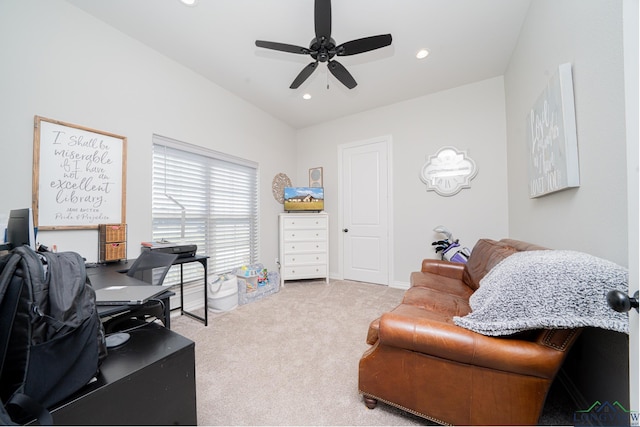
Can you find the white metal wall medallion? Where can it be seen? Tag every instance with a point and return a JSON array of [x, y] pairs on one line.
[[448, 171]]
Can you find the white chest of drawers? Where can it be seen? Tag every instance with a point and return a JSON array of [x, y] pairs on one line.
[[304, 246]]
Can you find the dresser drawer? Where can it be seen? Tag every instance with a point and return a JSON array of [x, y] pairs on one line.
[[304, 271], [299, 235], [305, 247], [299, 222], [296, 259]]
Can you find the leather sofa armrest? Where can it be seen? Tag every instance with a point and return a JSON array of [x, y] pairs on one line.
[[453, 270], [432, 335], [372, 333]]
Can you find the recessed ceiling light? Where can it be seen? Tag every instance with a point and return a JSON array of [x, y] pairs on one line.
[[422, 53], [306, 96], [189, 2]]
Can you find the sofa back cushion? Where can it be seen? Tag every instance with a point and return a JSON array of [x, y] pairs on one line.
[[519, 245], [485, 255], [488, 253]]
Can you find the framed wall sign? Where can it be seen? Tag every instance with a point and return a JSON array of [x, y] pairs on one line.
[[79, 176], [315, 177], [448, 171], [552, 138]]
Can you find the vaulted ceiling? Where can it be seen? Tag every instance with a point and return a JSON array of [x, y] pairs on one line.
[[467, 40]]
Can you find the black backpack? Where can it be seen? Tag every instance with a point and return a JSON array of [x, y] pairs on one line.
[[51, 338]]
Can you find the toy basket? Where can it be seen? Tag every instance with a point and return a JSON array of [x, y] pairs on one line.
[[252, 285]]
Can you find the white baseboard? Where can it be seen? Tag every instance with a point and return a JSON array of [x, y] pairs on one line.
[[395, 284], [335, 276], [400, 285]]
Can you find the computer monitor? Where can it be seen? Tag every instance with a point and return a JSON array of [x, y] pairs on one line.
[[20, 229]]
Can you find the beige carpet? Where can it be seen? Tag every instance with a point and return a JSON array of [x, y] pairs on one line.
[[291, 358]]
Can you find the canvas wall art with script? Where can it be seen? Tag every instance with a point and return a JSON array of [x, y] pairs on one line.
[[79, 176], [552, 139]]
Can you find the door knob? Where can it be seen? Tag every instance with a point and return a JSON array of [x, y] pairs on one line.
[[622, 303], [346, 230]]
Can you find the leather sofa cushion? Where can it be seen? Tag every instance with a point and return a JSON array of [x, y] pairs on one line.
[[485, 255], [437, 301], [453, 270], [450, 286], [522, 246]]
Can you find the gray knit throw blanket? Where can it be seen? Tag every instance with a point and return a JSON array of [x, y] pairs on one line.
[[549, 289]]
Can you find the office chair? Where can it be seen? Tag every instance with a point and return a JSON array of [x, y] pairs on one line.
[[151, 267]]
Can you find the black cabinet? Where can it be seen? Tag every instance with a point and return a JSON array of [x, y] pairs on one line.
[[150, 380]]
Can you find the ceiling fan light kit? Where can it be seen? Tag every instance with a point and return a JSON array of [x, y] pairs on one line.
[[323, 48]]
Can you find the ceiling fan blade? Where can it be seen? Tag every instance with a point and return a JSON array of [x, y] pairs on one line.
[[322, 14], [304, 75], [363, 45], [282, 47], [341, 73]]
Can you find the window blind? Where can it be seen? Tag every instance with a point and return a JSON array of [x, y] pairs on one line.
[[207, 198]]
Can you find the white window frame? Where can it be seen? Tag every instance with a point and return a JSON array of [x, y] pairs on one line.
[[181, 210]]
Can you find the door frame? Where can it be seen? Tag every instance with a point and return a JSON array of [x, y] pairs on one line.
[[630, 28], [388, 143]]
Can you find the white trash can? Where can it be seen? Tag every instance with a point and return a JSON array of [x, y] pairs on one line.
[[223, 293]]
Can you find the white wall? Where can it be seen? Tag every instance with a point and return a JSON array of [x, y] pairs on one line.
[[593, 217], [59, 62], [470, 118]]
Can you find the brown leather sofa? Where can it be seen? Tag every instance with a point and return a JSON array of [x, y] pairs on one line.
[[422, 362]]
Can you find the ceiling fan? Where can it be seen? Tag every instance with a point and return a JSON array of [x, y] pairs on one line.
[[323, 48]]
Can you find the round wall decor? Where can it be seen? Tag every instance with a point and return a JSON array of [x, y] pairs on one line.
[[448, 171], [280, 181]]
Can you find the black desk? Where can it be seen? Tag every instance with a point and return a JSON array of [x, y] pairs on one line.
[[150, 380], [112, 274], [105, 275]]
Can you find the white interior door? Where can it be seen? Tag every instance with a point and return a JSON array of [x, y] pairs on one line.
[[365, 216]]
